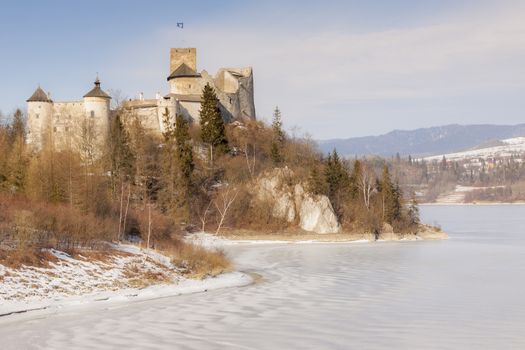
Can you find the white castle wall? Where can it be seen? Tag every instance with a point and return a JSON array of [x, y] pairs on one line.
[[38, 121], [61, 122]]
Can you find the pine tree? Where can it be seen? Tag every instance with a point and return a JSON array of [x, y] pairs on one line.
[[355, 179], [413, 212], [337, 181], [212, 125], [278, 137], [391, 195], [184, 148], [121, 157], [17, 162], [316, 182]]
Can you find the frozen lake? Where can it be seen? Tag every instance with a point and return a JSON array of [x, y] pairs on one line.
[[464, 293]]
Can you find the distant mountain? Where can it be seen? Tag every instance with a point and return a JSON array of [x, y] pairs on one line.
[[425, 141]]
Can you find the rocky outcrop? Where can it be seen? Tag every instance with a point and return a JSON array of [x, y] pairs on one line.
[[313, 213]]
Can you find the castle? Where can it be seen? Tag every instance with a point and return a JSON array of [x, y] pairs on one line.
[[63, 123]]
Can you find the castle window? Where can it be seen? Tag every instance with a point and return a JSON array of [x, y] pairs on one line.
[[92, 113], [67, 128], [55, 129], [37, 116], [230, 100], [189, 86]]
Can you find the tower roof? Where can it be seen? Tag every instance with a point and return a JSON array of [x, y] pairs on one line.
[[183, 71], [97, 91], [39, 96]]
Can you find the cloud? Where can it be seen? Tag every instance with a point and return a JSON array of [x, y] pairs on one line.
[[304, 73]]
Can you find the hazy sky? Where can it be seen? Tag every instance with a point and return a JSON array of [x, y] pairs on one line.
[[335, 68]]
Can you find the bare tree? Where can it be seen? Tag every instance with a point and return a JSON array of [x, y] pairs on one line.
[[149, 224], [203, 216], [366, 184], [250, 163], [223, 202]]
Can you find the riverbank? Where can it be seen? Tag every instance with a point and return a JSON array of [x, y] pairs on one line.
[[132, 274], [249, 237], [122, 275]]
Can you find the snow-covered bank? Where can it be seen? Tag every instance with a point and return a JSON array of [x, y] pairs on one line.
[[211, 241], [130, 274]]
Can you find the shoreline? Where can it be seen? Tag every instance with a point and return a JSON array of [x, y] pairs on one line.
[[209, 240], [10, 309], [472, 204]]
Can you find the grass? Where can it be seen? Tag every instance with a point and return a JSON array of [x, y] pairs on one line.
[[17, 258], [199, 262]]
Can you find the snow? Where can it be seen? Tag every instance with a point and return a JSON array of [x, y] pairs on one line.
[[511, 147], [210, 241], [80, 281]]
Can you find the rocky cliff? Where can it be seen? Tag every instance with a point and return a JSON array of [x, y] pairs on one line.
[[312, 213]]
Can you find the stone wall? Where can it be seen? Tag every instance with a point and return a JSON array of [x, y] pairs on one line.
[[179, 56]]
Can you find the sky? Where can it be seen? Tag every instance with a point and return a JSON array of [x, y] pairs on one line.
[[336, 69]]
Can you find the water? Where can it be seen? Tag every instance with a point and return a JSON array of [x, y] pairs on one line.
[[464, 293]]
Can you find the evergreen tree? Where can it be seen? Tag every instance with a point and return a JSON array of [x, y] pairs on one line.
[[17, 129], [212, 125], [184, 148], [355, 179], [337, 181], [316, 182], [17, 162], [413, 212], [391, 195], [278, 137], [121, 157]]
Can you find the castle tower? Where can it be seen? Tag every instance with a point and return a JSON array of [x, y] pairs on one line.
[[39, 116], [96, 108], [183, 78], [179, 56]]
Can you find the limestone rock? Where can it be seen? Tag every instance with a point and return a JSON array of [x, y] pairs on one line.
[[317, 215], [291, 202]]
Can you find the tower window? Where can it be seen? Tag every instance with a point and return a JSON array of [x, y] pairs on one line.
[[92, 113], [189, 86], [67, 128], [37, 116], [55, 129]]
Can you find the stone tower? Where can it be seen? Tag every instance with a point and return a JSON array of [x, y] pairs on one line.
[[179, 56], [39, 115], [97, 109]]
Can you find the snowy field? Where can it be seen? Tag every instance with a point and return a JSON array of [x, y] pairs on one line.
[[510, 147], [461, 293]]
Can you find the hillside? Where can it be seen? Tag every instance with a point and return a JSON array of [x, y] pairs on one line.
[[424, 141], [500, 150]]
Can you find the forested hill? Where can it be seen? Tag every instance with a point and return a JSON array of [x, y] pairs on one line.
[[425, 141]]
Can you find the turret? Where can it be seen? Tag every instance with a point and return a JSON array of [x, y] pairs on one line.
[[96, 107], [39, 116]]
